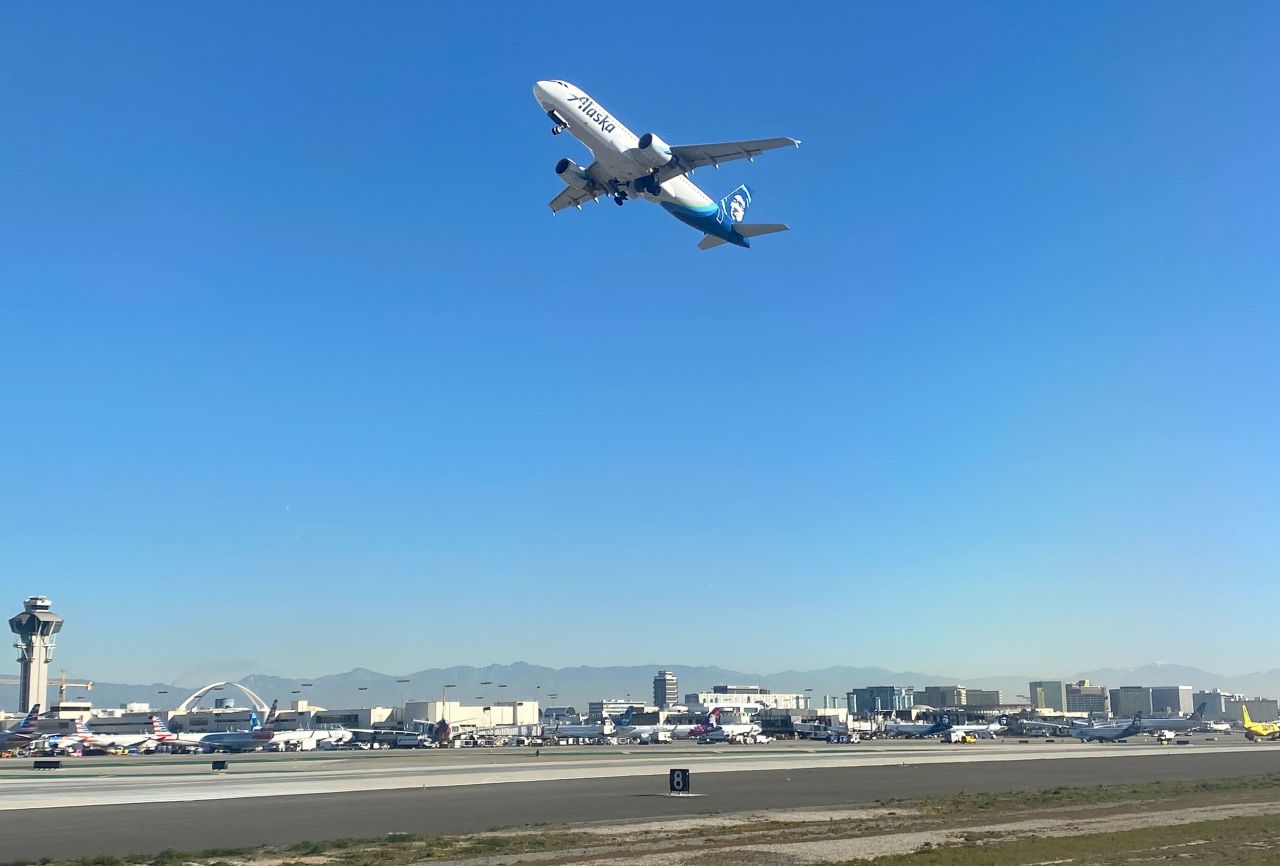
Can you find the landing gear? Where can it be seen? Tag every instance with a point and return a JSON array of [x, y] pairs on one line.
[[559, 128], [619, 198]]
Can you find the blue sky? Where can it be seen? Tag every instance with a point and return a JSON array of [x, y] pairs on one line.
[[300, 374]]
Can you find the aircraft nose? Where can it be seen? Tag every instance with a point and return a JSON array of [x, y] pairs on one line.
[[540, 90]]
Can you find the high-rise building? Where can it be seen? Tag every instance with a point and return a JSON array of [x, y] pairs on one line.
[[1171, 700], [665, 690], [978, 698], [946, 696], [880, 699], [34, 630], [1215, 702], [1127, 700], [1084, 697], [1260, 710], [1048, 695]]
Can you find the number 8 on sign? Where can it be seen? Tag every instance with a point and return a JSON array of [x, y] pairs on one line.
[[680, 781]]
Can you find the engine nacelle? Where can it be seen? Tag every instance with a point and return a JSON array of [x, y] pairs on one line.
[[573, 174], [652, 151]]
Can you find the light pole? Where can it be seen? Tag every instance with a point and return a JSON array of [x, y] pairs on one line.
[[402, 681]]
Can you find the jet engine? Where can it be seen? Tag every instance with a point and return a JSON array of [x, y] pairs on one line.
[[652, 152], [573, 174]]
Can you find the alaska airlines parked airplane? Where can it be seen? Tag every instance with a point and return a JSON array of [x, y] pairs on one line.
[[649, 168], [1258, 730], [23, 732], [919, 729], [1109, 733]]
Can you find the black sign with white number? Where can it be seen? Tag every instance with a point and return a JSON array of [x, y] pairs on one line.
[[681, 781]]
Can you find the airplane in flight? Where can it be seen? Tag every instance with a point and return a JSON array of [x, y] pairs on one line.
[[1109, 733], [23, 732], [1258, 731], [646, 167]]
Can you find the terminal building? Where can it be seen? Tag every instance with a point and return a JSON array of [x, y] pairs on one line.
[[744, 698]]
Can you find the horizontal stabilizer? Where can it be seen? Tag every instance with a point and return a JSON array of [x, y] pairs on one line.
[[709, 241], [752, 230]]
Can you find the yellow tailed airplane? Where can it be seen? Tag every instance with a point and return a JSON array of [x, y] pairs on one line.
[[1259, 730]]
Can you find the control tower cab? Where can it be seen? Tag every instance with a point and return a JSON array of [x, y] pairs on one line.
[[34, 630]]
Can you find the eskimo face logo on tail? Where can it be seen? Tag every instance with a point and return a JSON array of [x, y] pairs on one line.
[[595, 115], [737, 208]]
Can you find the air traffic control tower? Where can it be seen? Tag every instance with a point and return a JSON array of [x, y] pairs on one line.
[[34, 629]]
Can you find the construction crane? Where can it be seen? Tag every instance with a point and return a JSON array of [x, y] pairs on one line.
[[62, 681]]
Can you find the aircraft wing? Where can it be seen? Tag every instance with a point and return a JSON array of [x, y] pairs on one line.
[[574, 197], [570, 197], [687, 157]]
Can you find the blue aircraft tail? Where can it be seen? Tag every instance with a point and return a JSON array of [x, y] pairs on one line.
[[733, 207]]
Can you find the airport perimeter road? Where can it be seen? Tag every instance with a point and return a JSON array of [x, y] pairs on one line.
[[151, 827]]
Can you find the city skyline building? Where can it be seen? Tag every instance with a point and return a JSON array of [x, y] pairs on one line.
[[1048, 695], [666, 690]]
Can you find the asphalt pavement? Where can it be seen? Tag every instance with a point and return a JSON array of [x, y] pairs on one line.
[[232, 823]]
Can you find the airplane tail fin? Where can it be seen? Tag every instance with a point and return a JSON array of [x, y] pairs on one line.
[[158, 728], [1244, 714], [28, 722], [733, 207], [1198, 715]]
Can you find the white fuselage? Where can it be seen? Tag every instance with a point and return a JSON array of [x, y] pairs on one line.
[[614, 146]]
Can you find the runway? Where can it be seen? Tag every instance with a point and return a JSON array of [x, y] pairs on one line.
[[122, 808]]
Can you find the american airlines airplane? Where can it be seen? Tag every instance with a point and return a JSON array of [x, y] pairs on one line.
[[22, 733], [647, 167]]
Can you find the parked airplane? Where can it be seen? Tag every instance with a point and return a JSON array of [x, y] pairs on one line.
[[715, 730], [688, 732], [85, 738], [918, 729], [642, 733], [1108, 733], [582, 731], [986, 730], [1179, 724], [1258, 731], [647, 167], [23, 732]]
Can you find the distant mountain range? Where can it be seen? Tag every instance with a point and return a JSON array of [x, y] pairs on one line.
[[577, 686]]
